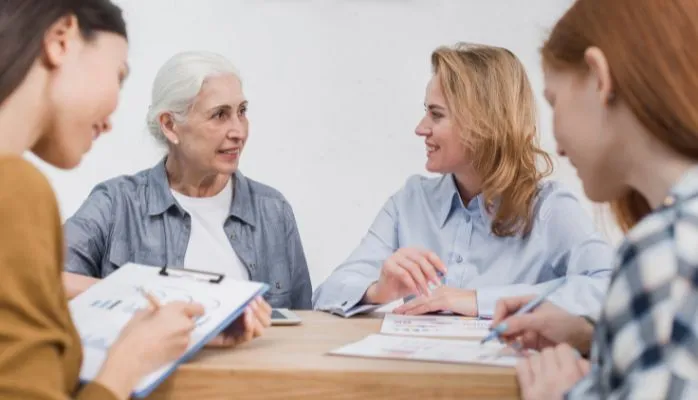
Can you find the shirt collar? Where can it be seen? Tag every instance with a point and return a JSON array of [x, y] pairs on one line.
[[685, 188], [160, 198], [448, 199]]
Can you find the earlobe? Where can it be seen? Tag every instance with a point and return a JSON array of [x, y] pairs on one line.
[[600, 72], [167, 126], [58, 39]]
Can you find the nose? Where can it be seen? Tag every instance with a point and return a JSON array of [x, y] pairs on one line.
[[422, 128], [237, 130], [103, 127]]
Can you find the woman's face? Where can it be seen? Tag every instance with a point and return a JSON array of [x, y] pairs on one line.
[[212, 137], [445, 150], [84, 80]]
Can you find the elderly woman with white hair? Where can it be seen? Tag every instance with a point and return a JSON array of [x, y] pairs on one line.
[[194, 209]]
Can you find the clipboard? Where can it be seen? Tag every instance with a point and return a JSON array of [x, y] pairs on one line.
[[101, 312]]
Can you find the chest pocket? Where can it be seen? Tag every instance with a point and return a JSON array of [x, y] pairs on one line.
[[122, 253]]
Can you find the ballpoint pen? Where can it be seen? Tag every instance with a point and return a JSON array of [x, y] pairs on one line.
[[502, 327]]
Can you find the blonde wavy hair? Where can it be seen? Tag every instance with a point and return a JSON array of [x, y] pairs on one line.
[[489, 96]]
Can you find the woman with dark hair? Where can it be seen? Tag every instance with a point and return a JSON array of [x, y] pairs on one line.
[[61, 66], [621, 79]]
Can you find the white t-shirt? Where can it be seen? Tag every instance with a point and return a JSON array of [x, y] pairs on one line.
[[209, 248]]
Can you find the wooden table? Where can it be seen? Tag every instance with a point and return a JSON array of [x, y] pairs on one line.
[[291, 363]]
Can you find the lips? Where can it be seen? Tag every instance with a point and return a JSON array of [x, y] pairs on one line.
[[230, 152], [431, 148]]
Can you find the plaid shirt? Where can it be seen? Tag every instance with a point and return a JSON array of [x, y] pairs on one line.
[[646, 341]]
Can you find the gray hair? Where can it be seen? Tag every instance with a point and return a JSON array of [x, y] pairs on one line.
[[178, 82]]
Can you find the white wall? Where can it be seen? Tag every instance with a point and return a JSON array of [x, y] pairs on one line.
[[335, 88]]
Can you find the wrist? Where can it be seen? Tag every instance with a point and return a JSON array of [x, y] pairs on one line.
[[583, 336], [370, 295], [119, 374]]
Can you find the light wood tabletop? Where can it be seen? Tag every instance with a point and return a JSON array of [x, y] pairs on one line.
[[291, 362]]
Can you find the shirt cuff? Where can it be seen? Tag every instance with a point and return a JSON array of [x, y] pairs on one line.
[[349, 296]]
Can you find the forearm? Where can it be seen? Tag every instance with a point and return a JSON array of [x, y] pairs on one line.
[[119, 374], [75, 283]]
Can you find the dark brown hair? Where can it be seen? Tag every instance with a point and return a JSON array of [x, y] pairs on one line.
[[652, 52], [23, 24]]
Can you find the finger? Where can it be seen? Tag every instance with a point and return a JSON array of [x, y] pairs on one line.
[[262, 316], [567, 360], [525, 373], [190, 310], [416, 302], [531, 340], [249, 326], [536, 363], [266, 308], [420, 310], [584, 366], [549, 363], [436, 262], [393, 270], [508, 306], [416, 272], [426, 270], [517, 325]]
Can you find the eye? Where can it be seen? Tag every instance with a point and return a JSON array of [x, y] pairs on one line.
[[221, 114], [243, 111], [436, 115]]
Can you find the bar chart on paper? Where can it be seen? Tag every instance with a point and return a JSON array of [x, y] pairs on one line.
[[435, 326]]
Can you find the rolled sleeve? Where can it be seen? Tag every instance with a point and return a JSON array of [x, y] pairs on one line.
[[86, 233]]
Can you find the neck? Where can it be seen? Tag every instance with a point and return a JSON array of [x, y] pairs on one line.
[[468, 185], [656, 172], [193, 183], [22, 120]]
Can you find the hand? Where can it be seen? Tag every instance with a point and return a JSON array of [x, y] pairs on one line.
[[251, 324], [151, 339], [75, 283], [550, 374], [408, 271], [547, 325], [444, 298]]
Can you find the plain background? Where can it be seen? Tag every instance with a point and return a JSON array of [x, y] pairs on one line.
[[336, 88]]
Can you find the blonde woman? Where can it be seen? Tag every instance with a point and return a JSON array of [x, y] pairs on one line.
[[489, 226]]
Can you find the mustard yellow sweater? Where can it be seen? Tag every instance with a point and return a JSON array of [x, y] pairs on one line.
[[40, 352]]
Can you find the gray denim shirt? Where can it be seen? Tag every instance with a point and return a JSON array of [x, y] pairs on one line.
[[136, 219]]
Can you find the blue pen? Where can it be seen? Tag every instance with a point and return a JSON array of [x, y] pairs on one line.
[[502, 327]]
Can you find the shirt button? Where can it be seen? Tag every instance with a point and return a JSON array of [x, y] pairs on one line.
[[233, 236], [669, 201], [459, 259]]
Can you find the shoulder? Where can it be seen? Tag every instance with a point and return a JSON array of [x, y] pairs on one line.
[[22, 180], [555, 199], [262, 192], [420, 186], [125, 184]]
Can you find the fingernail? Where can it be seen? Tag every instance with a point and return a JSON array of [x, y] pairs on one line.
[[503, 327]]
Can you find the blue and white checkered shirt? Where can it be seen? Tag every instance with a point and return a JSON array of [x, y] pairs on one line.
[[646, 342]]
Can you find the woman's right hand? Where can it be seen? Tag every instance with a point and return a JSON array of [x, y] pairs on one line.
[[547, 325], [408, 271], [150, 340]]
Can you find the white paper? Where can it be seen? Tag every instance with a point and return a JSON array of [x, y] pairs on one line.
[[435, 326], [428, 349], [101, 312]]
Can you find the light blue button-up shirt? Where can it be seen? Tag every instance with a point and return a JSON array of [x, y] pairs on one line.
[[429, 213]]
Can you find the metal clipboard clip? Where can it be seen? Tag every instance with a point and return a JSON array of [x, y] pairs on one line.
[[204, 276]]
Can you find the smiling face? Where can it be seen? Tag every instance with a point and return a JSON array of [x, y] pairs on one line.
[[84, 81], [446, 152], [214, 133]]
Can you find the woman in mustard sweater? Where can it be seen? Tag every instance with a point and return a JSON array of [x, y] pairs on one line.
[[62, 63]]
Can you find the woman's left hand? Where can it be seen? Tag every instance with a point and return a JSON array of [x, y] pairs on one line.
[[550, 374], [443, 298], [256, 318]]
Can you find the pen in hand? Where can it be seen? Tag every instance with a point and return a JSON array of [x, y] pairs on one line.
[[154, 303], [502, 327]]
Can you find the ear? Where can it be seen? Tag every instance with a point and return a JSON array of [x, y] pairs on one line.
[[59, 38], [599, 71], [167, 125]]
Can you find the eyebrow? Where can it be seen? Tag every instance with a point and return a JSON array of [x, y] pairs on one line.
[[432, 107], [226, 106]]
